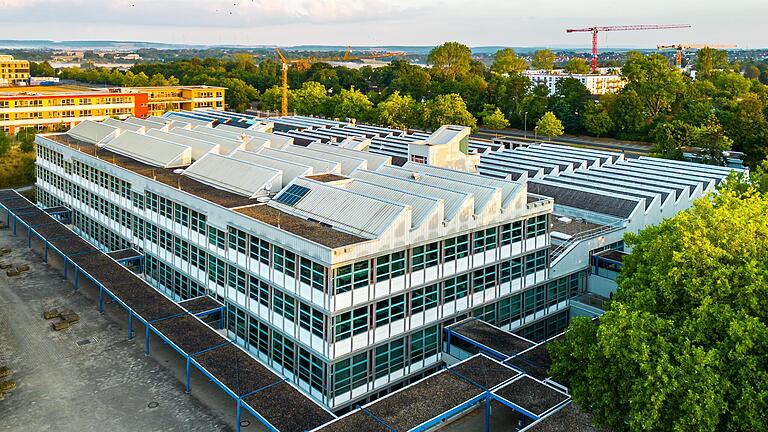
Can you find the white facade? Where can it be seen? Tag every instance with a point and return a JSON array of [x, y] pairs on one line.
[[598, 84]]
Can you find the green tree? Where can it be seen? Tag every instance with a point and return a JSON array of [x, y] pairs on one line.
[[353, 104], [712, 141], [577, 65], [751, 72], [549, 125], [596, 119], [672, 138], [271, 99], [43, 69], [682, 345], [410, 80], [447, 109], [5, 143], [311, 99], [398, 111], [543, 59], [627, 113], [26, 139], [493, 118], [239, 95], [450, 60], [653, 81], [506, 61], [709, 59]]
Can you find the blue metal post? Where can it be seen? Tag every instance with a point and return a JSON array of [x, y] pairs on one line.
[[65, 267], [487, 412], [77, 279], [237, 421], [14, 225], [448, 341], [45, 253], [101, 299], [146, 352], [130, 325], [188, 362]]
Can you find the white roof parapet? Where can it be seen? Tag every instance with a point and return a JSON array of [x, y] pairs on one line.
[[338, 208], [234, 175], [193, 121], [260, 127], [150, 150], [375, 161], [318, 165], [423, 207], [199, 147], [226, 145], [290, 169], [93, 132], [148, 124], [124, 125]]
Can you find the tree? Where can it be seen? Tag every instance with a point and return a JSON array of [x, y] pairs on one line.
[[311, 99], [712, 141], [447, 109], [577, 65], [271, 99], [410, 80], [239, 95], [751, 72], [26, 139], [398, 111], [450, 60], [493, 118], [506, 61], [43, 69], [709, 59], [682, 344], [549, 125], [627, 113], [672, 138], [543, 59], [653, 81], [596, 119], [5, 143], [352, 104]]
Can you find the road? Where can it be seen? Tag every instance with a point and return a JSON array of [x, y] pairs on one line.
[[632, 149]]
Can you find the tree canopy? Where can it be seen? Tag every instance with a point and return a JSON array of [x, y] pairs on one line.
[[549, 125], [682, 345], [577, 65], [450, 60], [506, 61], [543, 59]]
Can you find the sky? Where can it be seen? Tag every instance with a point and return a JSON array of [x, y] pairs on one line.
[[385, 22]]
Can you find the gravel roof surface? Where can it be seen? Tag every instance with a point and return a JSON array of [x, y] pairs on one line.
[[569, 419], [240, 372], [531, 394], [124, 253], [492, 337], [358, 421], [484, 371], [288, 409], [200, 304], [189, 334]]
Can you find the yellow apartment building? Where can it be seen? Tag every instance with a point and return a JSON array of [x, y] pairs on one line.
[[175, 98], [13, 72]]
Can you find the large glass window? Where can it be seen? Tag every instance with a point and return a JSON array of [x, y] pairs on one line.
[[484, 240], [390, 266], [456, 247], [311, 319], [350, 373], [425, 256], [390, 310], [237, 240], [217, 238], [284, 305], [425, 298], [389, 357], [350, 323], [456, 288], [216, 272], [510, 309], [312, 274], [535, 299], [424, 343], [535, 262], [285, 261], [351, 277], [511, 232], [483, 279], [258, 290], [259, 250], [512, 269], [311, 369], [536, 226], [236, 279], [283, 351]]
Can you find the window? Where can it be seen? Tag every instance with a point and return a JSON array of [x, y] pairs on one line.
[[284, 305], [484, 240], [197, 221], [512, 269], [236, 321], [419, 159], [197, 257], [312, 274], [350, 373], [535, 262], [425, 256], [536, 226], [166, 207], [180, 248], [486, 313], [389, 357], [557, 291], [351, 277], [535, 299], [350, 323], [483, 279], [456, 288], [390, 310], [236, 279], [237, 240], [510, 309], [311, 369], [258, 290], [259, 250], [457, 247], [390, 266], [311, 319], [424, 344], [424, 298], [216, 273], [283, 351], [285, 261], [292, 195], [217, 238], [258, 336], [511, 233], [181, 215]]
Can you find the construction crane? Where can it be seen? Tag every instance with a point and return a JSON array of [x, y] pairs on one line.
[[307, 61], [595, 30], [681, 47]]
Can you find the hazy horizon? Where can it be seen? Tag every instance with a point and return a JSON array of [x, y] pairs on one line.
[[382, 22]]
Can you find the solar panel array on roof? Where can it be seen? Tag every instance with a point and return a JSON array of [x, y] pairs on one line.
[[292, 195]]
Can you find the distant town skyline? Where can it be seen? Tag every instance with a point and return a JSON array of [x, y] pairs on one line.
[[383, 22]]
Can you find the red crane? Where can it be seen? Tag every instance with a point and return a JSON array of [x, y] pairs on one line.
[[595, 30]]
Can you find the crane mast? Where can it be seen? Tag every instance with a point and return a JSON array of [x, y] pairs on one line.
[[595, 30]]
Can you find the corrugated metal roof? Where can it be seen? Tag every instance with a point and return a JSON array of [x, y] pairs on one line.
[[344, 210], [150, 150], [374, 161], [348, 164], [318, 165], [148, 124], [236, 176], [123, 125], [187, 119], [226, 145], [199, 147], [612, 204], [290, 169], [92, 132], [422, 207]]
